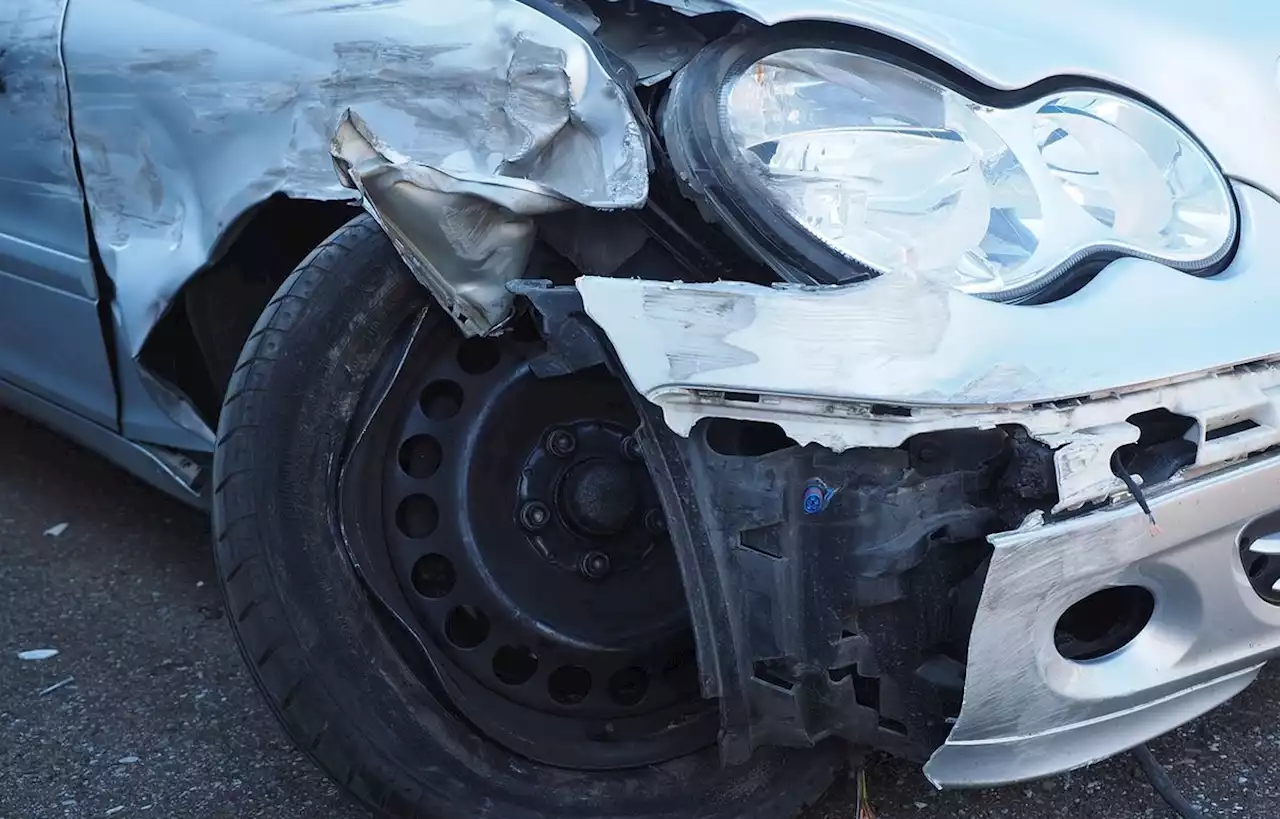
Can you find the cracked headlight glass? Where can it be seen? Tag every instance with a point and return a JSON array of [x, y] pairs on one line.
[[851, 165]]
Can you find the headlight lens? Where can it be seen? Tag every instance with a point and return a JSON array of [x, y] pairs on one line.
[[899, 174]]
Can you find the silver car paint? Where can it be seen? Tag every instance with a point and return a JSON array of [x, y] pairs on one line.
[[200, 111], [45, 269], [818, 361], [1027, 710], [189, 114]]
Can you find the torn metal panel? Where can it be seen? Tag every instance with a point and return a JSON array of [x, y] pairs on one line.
[[1028, 711], [188, 115], [464, 236]]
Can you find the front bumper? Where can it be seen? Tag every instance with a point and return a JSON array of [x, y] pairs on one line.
[[879, 363], [905, 343], [1028, 712]]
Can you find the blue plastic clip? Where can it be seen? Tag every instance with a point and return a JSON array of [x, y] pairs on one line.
[[817, 495]]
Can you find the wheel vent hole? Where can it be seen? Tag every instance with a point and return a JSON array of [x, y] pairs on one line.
[[467, 627], [514, 665], [569, 684], [628, 686], [1104, 622], [477, 356], [417, 516], [433, 576], [441, 400], [420, 456], [1258, 566]]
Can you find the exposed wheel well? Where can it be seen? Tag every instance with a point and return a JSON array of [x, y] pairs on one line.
[[195, 345]]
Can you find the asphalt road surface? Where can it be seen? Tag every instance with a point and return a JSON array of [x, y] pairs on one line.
[[146, 712]]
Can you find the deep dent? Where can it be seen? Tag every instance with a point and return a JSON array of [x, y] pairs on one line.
[[205, 111]]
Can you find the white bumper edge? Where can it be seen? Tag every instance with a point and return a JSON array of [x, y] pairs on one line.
[[899, 341], [876, 363]]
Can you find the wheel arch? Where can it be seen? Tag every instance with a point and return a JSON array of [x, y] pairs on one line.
[[194, 345]]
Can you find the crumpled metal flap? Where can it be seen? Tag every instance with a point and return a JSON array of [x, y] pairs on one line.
[[557, 133], [464, 236]]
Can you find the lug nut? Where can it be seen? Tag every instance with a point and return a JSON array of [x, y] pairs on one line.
[[655, 522], [561, 443], [534, 515], [594, 565], [631, 447]]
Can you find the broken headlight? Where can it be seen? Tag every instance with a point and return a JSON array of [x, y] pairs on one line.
[[835, 166]]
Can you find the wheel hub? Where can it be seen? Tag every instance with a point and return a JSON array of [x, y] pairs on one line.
[[599, 497], [569, 605], [596, 496]]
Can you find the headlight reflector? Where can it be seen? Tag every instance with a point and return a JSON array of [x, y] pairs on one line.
[[893, 172], [1135, 173]]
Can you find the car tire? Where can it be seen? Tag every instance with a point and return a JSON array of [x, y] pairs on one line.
[[318, 647]]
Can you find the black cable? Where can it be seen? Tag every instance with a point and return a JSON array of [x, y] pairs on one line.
[[1135, 489], [1163, 785]]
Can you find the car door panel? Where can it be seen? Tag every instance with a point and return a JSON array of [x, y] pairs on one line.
[[51, 340]]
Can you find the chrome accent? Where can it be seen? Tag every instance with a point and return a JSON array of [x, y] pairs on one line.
[[1268, 545]]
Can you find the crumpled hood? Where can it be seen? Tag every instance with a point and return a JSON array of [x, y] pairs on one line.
[[1212, 67]]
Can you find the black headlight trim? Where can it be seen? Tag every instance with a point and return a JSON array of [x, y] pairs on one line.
[[704, 159]]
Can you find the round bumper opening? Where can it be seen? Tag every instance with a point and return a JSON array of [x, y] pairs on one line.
[[1103, 623]]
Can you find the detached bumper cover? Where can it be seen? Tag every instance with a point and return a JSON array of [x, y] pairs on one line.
[[1028, 712], [898, 341], [879, 363]]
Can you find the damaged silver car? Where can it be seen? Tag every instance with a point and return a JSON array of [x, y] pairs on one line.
[[645, 408]]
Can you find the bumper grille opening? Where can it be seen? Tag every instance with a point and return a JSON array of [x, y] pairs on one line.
[[1103, 623], [1231, 429]]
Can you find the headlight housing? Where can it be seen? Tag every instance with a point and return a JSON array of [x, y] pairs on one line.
[[836, 164]]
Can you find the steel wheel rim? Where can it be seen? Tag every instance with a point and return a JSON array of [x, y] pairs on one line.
[[598, 695]]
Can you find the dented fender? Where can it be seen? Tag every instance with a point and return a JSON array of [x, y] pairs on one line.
[[188, 116]]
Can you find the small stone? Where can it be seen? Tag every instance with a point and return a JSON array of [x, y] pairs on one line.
[[126, 760], [115, 810], [38, 654]]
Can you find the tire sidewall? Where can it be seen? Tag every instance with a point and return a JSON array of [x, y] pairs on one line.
[[294, 597]]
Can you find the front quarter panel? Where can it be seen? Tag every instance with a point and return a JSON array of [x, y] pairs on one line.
[[187, 114]]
